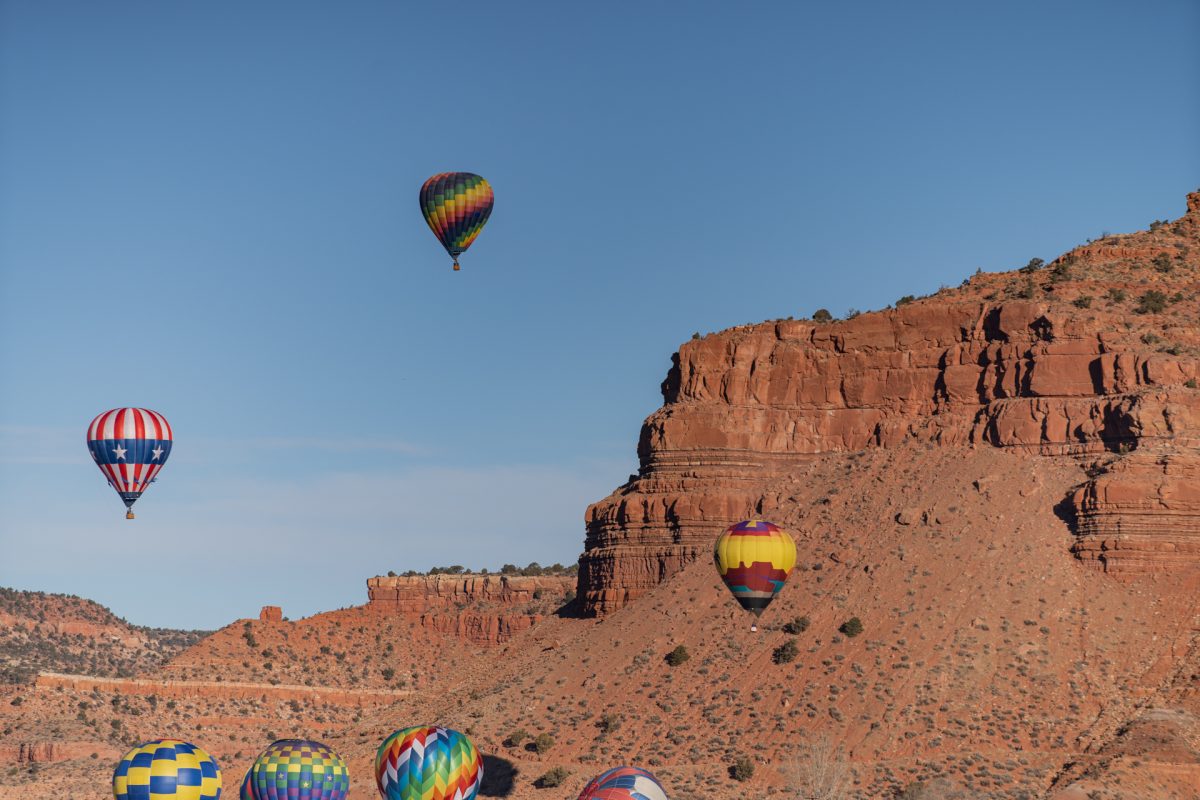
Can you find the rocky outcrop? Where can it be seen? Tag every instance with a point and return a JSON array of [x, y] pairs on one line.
[[483, 609], [1142, 514], [963, 368], [270, 614], [44, 752]]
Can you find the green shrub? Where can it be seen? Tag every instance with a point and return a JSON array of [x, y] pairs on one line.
[[1152, 302], [1083, 301], [742, 769], [543, 743], [903, 301], [1060, 272], [851, 627], [1162, 263], [609, 723], [1033, 266], [797, 625], [552, 778], [388, 673], [786, 652], [1116, 295], [677, 656], [822, 315], [516, 737], [1190, 383]]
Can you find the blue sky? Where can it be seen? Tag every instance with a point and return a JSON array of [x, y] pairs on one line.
[[209, 209]]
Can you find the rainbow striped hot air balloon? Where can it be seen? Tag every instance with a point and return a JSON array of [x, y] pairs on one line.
[[428, 763], [167, 769], [297, 769], [624, 783], [754, 558], [130, 446], [456, 205]]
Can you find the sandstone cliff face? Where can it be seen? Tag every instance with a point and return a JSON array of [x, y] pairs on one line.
[[483, 609], [1092, 356]]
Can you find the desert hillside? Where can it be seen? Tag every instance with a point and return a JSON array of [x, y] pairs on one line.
[[997, 481], [61, 633]]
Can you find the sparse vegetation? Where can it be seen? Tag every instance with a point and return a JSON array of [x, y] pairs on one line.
[[1083, 301], [822, 771], [517, 737], [1033, 266], [552, 777], [786, 652], [534, 569], [1116, 295], [543, 743], [1152, 302], [796, 626], [822, 315], [742, 769], [851, 627], [1060, 272], [1162, 263], [677, 656], [903, 301]]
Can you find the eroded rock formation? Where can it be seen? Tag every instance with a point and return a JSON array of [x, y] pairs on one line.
[[1030, 361]]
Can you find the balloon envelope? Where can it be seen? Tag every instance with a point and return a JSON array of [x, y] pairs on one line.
[[428, 763], [754, 558], [130, 446], [624, 783], [167, 769], [298, 769], [247, 791], [456, 205]]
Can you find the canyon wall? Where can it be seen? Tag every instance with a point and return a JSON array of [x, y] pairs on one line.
[[483, 609], [1028, 361]]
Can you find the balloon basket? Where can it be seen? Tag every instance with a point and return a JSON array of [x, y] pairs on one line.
[[754, 629], [129, 515], [456, 267]]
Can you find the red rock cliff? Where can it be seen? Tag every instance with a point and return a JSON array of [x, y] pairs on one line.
[[1092, 356]]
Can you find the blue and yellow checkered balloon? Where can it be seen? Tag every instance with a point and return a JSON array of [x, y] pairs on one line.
[[167, 769]]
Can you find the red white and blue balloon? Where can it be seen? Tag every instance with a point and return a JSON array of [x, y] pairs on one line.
[[130, 446], [624, 783]]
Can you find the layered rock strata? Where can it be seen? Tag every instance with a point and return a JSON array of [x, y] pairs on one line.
[[1031, 362]]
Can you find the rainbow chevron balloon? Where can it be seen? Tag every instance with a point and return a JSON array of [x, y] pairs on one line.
[[428, 763], [297, 769], [167, 769], [247, 791], [456, 205], [624, 783]]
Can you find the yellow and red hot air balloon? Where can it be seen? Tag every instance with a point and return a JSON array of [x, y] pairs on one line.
[[456, 205], [754, 558]]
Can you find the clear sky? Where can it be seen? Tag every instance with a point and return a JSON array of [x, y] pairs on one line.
[[209, 209]]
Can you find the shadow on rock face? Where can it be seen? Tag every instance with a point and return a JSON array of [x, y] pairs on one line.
[[499, 775]]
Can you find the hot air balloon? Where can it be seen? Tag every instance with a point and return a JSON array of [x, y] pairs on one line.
[[167, 769], [247, 791], [456, 205], [296, 769], [624, 783], [130, 446], [428, 763], [754, 558]]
